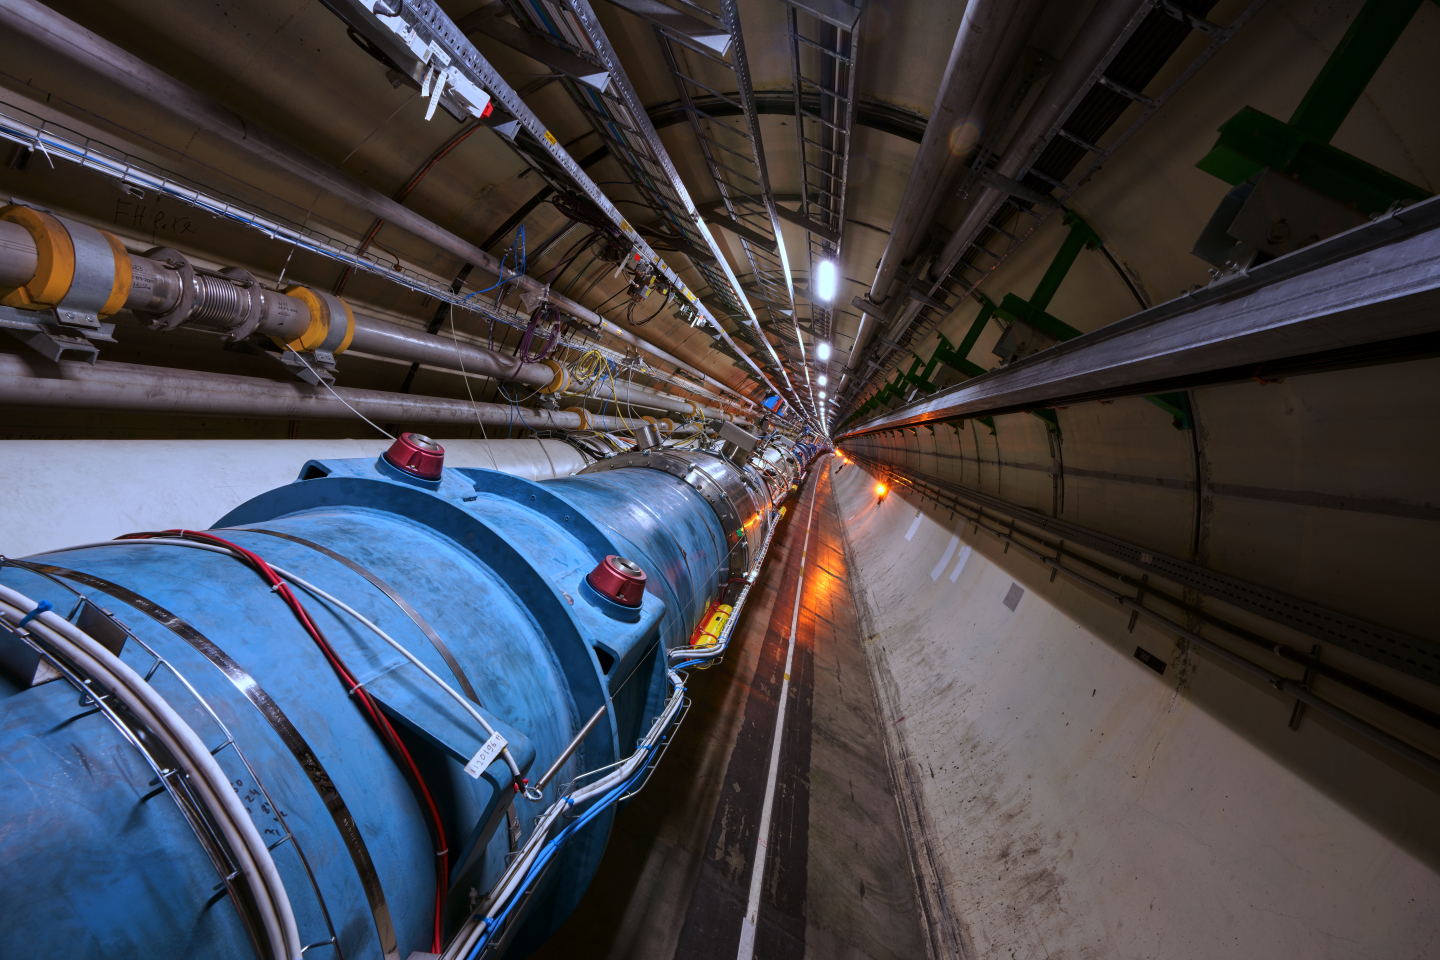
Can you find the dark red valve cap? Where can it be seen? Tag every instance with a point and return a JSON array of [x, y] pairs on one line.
[[618, 579], [417, 455]]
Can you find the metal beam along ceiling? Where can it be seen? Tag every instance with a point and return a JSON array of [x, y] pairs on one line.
[[423, 35], [1040, 173], [1334, 303], [622, 123]]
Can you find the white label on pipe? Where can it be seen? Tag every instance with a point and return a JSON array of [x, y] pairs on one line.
[[485, 756], [960, 564], [914, 525]]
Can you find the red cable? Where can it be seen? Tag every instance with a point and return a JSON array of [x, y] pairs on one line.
[[352, 686]]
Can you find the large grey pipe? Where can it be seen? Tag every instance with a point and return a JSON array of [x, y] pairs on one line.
[[391, 340], [34, 21], [1095, 39], [987, 44], [976, 43], [157, 289], [29, 381]]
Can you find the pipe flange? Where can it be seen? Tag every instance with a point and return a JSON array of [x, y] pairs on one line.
[[54, 259], [255, 312], [560, 377], [324, 337], [583, 414], [177, 314]]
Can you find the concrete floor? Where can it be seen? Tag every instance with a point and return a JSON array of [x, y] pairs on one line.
[[837, 884], [1068, 799]]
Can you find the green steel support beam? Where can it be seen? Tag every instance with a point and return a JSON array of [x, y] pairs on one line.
[[1178, 406], [1251, 140], [1081, 237], [1350, 68]]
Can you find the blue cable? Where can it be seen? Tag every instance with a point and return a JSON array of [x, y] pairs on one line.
[[549, 852], [519, 270]]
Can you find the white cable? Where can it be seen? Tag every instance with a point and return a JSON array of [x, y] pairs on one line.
[[337, 396], [311, 588], [210, 783], [466, 377]]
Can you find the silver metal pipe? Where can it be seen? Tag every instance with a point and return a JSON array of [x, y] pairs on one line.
[[402, 343], [1095, 39], [396, 342], [35, 22], [156, 289], [161, 390], [570, 749], [976, 43], [987, 46], [18, 262]]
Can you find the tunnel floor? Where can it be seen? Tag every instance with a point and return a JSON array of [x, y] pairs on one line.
[[676, 878]]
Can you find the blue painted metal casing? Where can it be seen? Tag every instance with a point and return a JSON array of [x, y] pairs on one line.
[[95, 859]]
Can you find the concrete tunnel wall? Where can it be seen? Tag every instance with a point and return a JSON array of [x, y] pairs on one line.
[[1067, 800], [60, 493]]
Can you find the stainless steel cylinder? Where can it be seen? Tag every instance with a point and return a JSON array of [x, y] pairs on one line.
[[17, 255]]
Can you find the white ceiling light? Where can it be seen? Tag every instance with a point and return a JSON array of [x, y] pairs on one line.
[[822, 394], [823, 379], [825, 280], [822, 351]]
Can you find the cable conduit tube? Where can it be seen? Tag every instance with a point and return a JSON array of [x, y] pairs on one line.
[[73, 384], [1281, 683], [203, 772], [38, 23]]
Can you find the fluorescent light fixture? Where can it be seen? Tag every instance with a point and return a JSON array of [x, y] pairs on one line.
[[822, 394], [825, 280], [822, 379], [822, 351]]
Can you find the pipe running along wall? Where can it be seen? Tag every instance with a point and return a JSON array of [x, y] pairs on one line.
[[38, 24], [38, 267], [445, 634]]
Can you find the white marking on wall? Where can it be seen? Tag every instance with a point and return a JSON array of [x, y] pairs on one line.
[[949, 552], [960, 564], [914, 525]]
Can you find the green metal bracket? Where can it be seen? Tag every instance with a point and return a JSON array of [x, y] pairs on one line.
[[989, 422], [1081, 237], [1251, 140], [1178, 406], [1350, 68], [1032, 311], [1013, 308]]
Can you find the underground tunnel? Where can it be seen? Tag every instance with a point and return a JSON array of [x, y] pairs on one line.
[[709, 479]]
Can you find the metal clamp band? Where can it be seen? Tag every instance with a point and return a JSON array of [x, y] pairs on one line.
[[389, 591], [289, 735], [94, 279]]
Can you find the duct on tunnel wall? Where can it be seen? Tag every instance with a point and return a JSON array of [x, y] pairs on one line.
[[1067, 797], [161, 484]]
